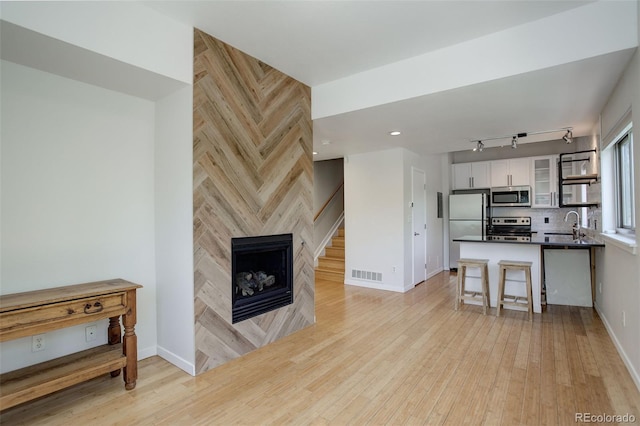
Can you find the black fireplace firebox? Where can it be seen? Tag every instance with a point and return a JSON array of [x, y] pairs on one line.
[[261, 274]]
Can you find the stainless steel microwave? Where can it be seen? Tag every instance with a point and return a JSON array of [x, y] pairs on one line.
[[511, 196]]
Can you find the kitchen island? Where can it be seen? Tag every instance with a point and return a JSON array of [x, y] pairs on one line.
[[484, 247]]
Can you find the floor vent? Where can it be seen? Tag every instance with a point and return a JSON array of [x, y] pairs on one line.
[[366, 275]]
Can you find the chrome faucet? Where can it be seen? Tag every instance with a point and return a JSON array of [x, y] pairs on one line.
[[575, 230]]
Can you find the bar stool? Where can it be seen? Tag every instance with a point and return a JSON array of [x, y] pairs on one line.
[[462, 293], [508, 300]]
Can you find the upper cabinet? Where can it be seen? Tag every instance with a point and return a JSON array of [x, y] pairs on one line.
[[471, 175], [514, 172], [544, 181]]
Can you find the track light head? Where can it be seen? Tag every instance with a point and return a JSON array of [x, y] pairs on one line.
[[568, 138], [479, 146], [514, 142]]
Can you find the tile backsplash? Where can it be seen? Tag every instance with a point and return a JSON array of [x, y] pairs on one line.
[[556, 218]]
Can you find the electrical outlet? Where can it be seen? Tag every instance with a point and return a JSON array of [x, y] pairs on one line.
[[90, 332], [546, 220], [37, 343]]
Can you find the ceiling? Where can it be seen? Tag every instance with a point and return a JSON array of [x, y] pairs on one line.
[[318, 42]]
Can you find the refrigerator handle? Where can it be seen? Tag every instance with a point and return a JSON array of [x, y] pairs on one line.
[[484, 215]]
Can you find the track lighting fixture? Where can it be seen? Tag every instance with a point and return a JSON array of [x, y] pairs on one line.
[[515, 138]]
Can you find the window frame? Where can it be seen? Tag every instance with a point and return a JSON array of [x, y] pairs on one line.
[[623, 141]]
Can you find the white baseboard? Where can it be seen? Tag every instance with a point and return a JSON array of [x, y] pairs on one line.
[[627, 362], [179, 362], [147, 352], [374, 286], [327, 238], [387, 287], [434, 273]]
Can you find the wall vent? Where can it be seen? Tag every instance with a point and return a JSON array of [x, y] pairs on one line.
[[366, 275]]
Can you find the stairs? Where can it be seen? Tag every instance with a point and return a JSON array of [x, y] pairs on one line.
[[331, 265]]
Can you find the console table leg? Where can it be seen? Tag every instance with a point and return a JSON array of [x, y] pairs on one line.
[[130, 343], [114, 337]]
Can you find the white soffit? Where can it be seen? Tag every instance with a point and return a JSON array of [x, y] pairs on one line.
[[34, 50], [571, 94], [128, 32], [579, 33]]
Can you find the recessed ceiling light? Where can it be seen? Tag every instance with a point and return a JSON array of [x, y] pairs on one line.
[[395, 133], [315, 153]]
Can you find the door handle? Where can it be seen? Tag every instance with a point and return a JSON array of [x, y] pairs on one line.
[[415, 234]]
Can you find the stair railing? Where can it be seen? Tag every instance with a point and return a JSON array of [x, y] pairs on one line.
[[326, 203], [327, 220]]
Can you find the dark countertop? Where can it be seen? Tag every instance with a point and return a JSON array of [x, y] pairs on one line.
[[541, 240]]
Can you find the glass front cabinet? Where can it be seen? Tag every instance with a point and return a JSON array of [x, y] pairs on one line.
[[544, 180]]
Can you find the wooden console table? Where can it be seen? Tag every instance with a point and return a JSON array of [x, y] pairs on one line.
[[36, 312]]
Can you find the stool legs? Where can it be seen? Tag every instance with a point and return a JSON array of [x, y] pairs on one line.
[[461, 292], [529, 293], [462, 271], [484, 278], [502, 273]]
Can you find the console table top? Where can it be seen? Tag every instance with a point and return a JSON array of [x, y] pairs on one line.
[[14, 301]]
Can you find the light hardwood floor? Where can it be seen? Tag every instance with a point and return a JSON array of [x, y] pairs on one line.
[[376, 357]]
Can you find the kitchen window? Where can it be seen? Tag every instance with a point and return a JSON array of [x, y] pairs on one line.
[[618, 202], [625, 203]]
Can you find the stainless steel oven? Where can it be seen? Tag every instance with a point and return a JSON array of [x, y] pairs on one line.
[[510, 229], [511, 196]]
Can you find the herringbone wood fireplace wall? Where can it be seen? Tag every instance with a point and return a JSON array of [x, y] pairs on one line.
[[253, 175]]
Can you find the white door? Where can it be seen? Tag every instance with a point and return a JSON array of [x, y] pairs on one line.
[[419, 225]]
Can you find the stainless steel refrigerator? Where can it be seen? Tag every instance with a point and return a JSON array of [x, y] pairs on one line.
[[468, 216]]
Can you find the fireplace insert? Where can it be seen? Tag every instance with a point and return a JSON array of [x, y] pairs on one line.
[[261, 274]]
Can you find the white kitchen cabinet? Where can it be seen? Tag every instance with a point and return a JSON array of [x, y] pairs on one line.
[[513, 172], [544, 181], [471, 175]]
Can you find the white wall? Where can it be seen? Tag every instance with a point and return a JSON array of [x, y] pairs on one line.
[[117, 167], [618, 269], [374, 218], [77, 197], [327, 176], [378, 219], [174, 228]]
